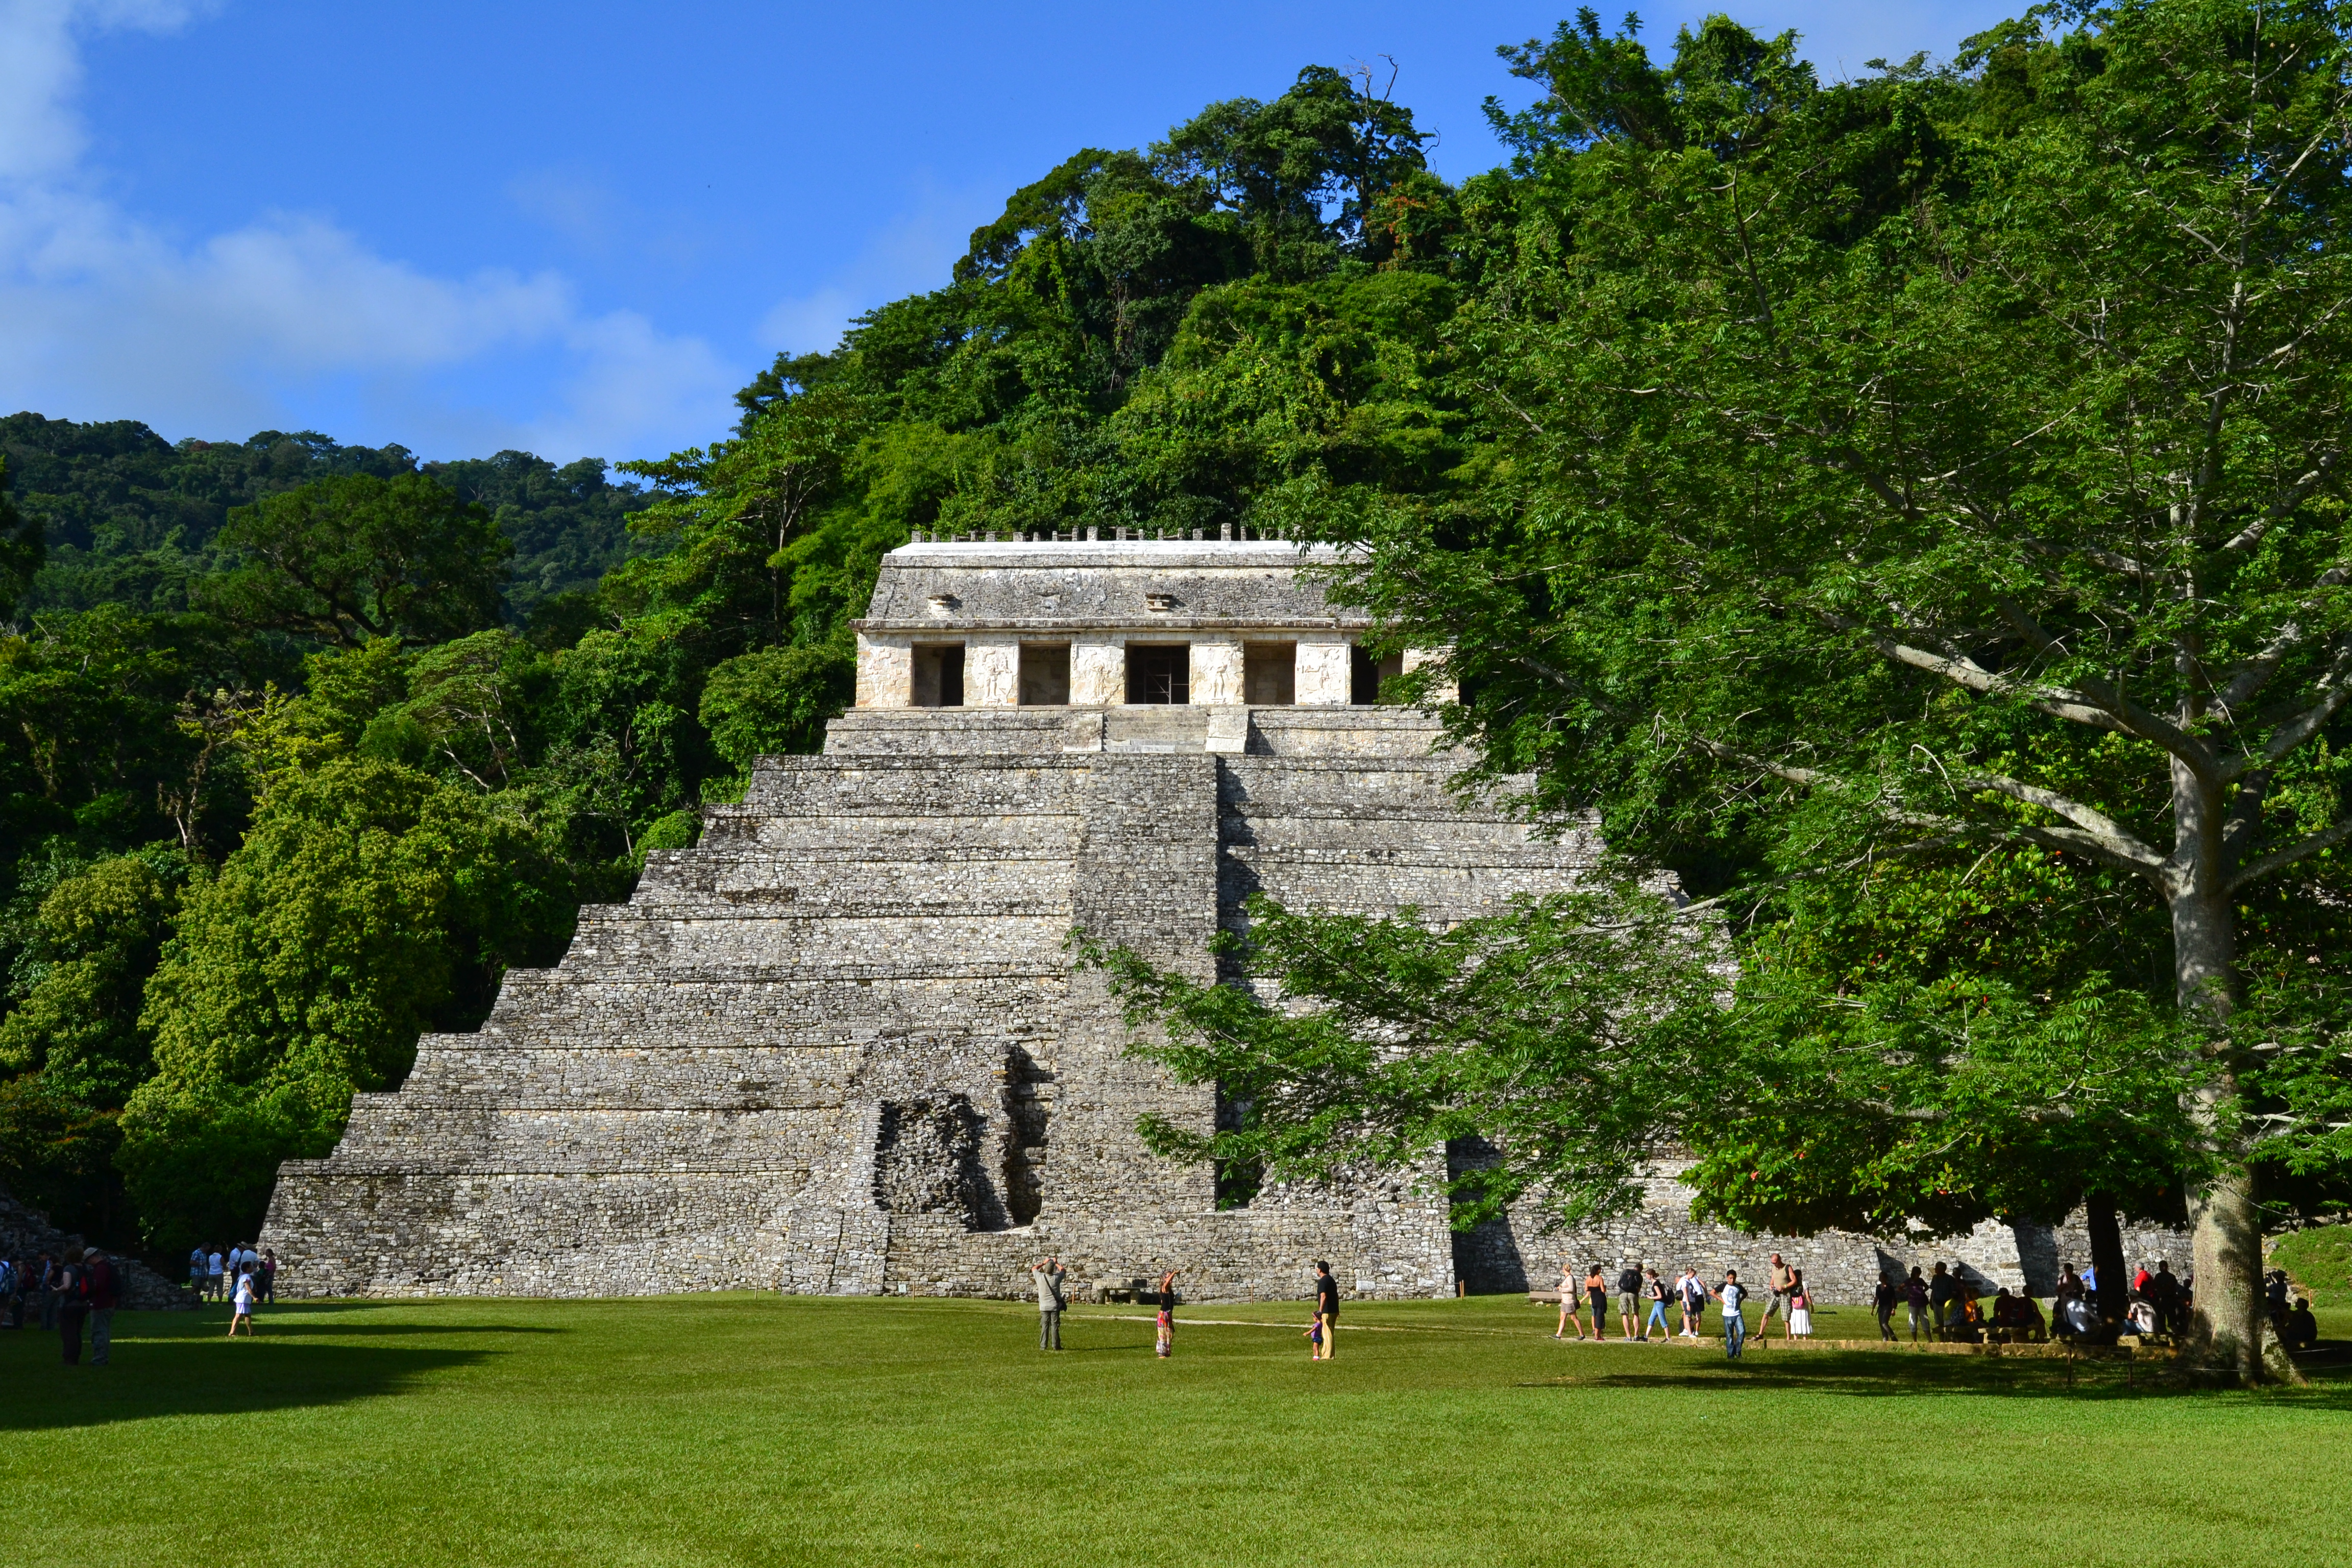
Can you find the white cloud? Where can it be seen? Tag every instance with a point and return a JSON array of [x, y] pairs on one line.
[[103, 318], [914, 252]]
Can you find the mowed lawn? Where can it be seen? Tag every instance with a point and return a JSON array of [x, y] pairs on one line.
[[751, 1429]]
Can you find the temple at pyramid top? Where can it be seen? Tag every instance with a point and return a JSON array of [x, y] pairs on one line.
[[1105, 621]]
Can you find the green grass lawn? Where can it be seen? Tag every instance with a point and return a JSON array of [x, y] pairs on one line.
[[751, 1429]]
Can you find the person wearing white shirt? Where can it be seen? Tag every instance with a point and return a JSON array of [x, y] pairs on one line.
[[1735, 1327]]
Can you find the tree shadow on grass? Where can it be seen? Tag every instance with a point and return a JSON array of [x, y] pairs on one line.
[[1863, 1375], [150, 1376]]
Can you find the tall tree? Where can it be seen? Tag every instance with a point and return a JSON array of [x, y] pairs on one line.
[[357, 557], [1935, 462]]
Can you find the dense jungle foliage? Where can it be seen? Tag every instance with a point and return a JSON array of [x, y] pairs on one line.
[[306, 745]]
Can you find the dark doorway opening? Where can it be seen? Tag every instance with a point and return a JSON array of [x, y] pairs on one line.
[[938, 677], [1158, 672], [1366, 673]]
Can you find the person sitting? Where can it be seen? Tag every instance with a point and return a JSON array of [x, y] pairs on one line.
[[2004, 1314], [2030, 1327], [2140, 1320], [1968, 1325], [2302, 1328]]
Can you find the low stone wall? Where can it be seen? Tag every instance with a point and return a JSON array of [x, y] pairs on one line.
[[26, 1234]]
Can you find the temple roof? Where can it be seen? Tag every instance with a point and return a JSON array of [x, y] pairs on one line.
[[1076, 585]]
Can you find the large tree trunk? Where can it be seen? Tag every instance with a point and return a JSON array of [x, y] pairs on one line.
[[2225, 1324], [2107, 1265]]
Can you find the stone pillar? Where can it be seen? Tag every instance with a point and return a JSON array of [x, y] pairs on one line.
[[992, 671], [1217, 672], [1414, 657], [1326, 670], [1097, 671], [885, 672]]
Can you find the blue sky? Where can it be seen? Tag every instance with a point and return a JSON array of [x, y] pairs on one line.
[[577, 228]]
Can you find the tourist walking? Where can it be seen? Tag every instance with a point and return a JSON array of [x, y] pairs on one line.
[[1629, 1298], [1800, 1307], [1915, 1301], [1693, 1291], [1596, 1296], [1735, 1327], [1882, 1301], [71, 1306], [1571, 1300], [101, 1286], [1047, 1275], [240, 1305], [1167, 1324], [1654, 1290], [1326, 1308], [1780, 1279]]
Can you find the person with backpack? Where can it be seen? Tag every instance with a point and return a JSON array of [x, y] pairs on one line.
[[1693, 1291], [102, 1290], [1735, 1327], [1629, 1298]]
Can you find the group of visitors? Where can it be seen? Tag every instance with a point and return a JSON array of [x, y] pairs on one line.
[[1644, 1294], [1946, 1303], [79, 1287], [213, 1275]]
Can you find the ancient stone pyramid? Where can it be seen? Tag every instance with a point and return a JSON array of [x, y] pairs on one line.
[[840, 1047]]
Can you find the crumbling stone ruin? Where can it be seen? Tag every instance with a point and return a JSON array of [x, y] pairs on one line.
[[841, 1045]]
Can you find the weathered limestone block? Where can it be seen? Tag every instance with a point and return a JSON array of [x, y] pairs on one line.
[[885, 672], [992, 672], [1217, 672], [1326, 671], [1098, 672]]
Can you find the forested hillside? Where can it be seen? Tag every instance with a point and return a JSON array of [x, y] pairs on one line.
[[1664, 428]]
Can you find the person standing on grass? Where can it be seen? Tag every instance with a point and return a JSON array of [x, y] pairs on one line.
[[1596, 1296], [1800, 1307], [1780, 1279], [1654, 1290], [1047, 1275], [241, 1307], [1693, 1291], [1571, 1299], [265, 1278], [1735, 1327], [1629, 1298], [1882, 1301], [72, 1306], [1326, 1308], [1166, 1313], [102, 1287], [1916, 1305], [1941, 1294], [197, 1270], [213, 1265]]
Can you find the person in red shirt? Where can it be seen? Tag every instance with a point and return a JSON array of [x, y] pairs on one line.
[[104, 1287]]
